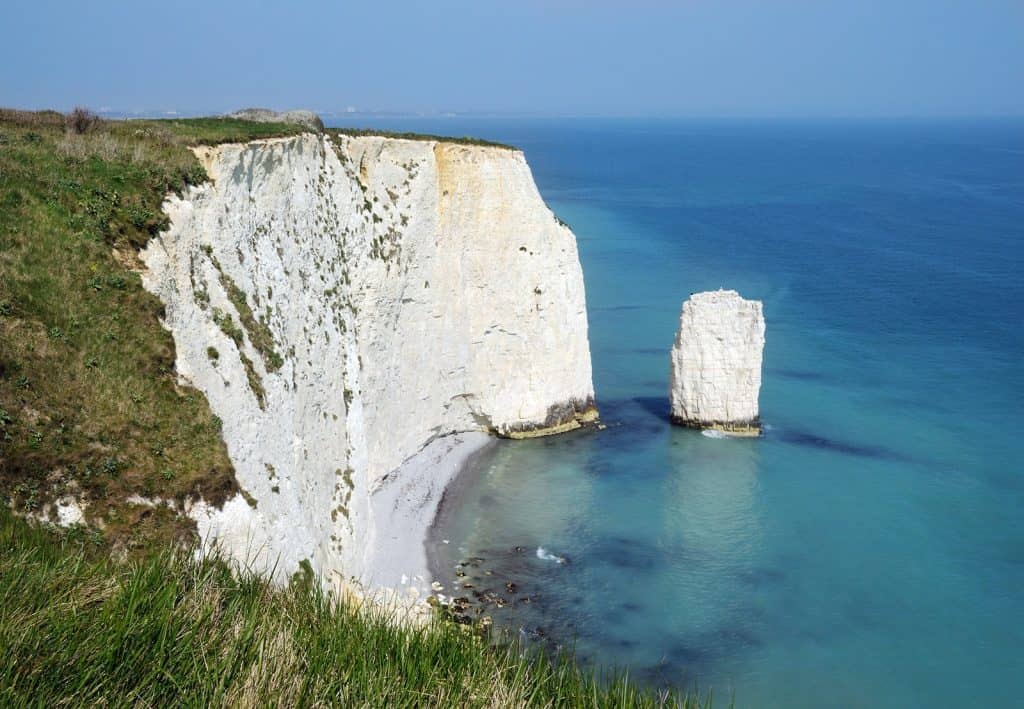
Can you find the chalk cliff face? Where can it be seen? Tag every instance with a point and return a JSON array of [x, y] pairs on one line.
[[342, 302], [716, 363]]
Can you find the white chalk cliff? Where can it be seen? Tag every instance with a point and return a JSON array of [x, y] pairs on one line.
[[348, 302], [715, 374]]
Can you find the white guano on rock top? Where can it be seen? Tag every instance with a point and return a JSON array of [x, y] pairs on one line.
[[344, 301], [715, 374]]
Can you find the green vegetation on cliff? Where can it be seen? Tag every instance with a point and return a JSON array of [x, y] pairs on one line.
[[78, 629], [90, 405]]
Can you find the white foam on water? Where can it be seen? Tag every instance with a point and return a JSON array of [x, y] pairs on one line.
[[544, 554], [712, 433]]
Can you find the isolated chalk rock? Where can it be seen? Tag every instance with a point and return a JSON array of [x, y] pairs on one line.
[[716, 363]]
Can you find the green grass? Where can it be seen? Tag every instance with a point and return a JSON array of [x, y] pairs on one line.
[[89, 402], [78, 629], [463, 140]]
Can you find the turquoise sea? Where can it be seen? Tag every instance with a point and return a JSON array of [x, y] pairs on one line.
[[869, 549]]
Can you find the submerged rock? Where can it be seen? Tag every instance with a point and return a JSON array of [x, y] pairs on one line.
[[716, 363]]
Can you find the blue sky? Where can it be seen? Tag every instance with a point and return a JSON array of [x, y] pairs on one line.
[[555, 57]]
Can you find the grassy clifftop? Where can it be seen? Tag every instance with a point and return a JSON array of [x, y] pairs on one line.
[[89, 402]]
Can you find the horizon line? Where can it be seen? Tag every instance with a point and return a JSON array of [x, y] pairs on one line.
[[153, 113]]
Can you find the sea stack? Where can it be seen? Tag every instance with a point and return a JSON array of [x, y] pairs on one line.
[[716, 363]]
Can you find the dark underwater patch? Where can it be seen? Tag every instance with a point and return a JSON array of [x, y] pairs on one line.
[[804, 375], [657, 406], [727, 640], [731, 639], [683, 654], [811, 440], [624, 553]]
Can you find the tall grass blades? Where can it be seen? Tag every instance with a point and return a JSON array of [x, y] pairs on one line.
[[78, 629]]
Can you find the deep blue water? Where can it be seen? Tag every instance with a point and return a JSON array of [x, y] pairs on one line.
[[869, 549]]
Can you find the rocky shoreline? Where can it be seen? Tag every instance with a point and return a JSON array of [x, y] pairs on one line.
[[476, 586]]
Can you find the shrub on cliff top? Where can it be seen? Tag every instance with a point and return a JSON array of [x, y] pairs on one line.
[[81, 119]]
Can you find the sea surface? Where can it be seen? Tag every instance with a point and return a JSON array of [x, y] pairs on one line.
[[868, 550]]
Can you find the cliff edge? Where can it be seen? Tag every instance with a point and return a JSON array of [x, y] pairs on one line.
[[343, 302]]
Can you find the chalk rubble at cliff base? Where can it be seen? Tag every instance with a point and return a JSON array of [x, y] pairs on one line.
[[715, 375], [406, 506]]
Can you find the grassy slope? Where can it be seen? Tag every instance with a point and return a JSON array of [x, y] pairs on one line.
[[76, 628], [88, 396]]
